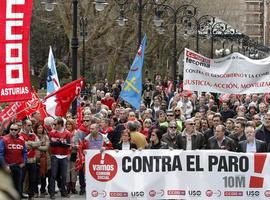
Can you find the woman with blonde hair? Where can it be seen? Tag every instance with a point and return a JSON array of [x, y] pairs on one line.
[[179, 117]]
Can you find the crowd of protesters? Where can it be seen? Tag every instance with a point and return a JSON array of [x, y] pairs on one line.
[[40, 154]]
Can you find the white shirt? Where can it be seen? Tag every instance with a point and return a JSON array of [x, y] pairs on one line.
[[125, 146], [251, 147]]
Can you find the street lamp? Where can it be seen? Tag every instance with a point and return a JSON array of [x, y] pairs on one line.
[[74, 47], [203, 24], [49, 5], [100, 5], [83, 33], [183, 11], [121, 20]]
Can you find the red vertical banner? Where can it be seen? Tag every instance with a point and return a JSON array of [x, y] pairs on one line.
[[15, 19]]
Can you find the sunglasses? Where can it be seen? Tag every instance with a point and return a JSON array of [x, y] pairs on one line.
[[177, 110], [173, 127], [13, 129], [169, 115], [86, 120], [191, 124]]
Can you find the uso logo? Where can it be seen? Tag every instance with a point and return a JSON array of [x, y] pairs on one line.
[[103, 167]]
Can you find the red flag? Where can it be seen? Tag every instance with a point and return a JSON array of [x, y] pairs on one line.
[[20, 110], [58, 102], [79, 116], [29, 107], [80, 157], [9, 113], [15, 20]]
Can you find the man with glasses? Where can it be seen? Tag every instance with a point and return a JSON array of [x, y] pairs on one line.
[[257, 120], [80, 135], [32, 143], [170, 136], [170, 115], [60, 149], [190, 139], [13, 154]]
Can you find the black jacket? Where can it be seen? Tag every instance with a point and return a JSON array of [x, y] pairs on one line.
[[197, 141], [260, 146], [119, 146], [228, 144], [236, 140], [161, 145], [264, 135], [211, 132]]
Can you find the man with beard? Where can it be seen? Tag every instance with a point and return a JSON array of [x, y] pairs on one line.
[[251, 144], [264, 132], [170, 136]]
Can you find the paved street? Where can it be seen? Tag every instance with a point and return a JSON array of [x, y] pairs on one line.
[[72, 196], [58, 196]]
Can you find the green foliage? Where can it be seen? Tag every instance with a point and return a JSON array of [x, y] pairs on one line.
[[34, 82]]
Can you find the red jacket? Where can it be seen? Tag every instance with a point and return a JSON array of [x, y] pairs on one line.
[[108, 102], [29, 137], [13, 150], [59, 142]]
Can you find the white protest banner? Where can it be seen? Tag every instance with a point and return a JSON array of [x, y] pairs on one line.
[[177, 174], [233, 74]]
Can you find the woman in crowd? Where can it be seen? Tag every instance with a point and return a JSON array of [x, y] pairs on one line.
[[162, 119], [125, 143], [71, 172], [179, 117], [43, 159], [155, 140], [147, 124]]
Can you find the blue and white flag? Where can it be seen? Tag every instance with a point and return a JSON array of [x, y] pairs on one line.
[[132, 89], [52, 77]]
